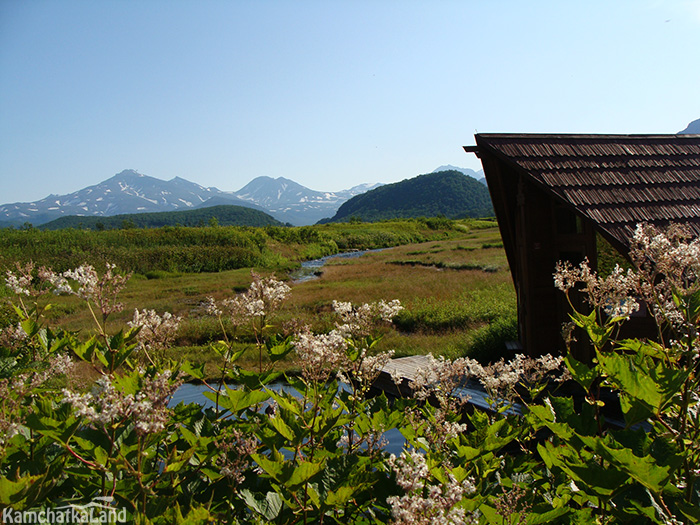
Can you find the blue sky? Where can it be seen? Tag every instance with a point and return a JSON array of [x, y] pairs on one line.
[[327, 93]]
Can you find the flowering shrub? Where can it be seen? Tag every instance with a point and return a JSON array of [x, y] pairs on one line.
[[313, 451]]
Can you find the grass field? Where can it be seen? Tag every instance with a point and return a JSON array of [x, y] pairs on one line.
[[457, 292]]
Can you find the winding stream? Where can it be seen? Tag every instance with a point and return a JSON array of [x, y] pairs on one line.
[[312, 269]]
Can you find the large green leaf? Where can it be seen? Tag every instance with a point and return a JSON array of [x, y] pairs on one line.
[[590, 475], [655, 387], [291, 475], [11, 492], [644, 469], [582, 373], [303, 472], [268, 505], [236, 400], [282, 428]]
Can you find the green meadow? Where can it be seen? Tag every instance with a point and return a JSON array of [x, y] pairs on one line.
[[452, 278]]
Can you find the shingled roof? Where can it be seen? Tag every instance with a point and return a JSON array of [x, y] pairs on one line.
[[616, 181]]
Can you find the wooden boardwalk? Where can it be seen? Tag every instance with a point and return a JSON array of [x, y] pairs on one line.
[[407, 368]]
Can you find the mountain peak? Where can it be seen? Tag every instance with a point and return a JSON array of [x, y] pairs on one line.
[[692, 129], [465, 171], [129, 173]]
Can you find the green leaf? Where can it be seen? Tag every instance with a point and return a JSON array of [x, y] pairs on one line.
[[598, 334], [236, 400], [633, 411], [268, 506], [284, 430], [271, 467], [277, 350], [689, 304], [583, 374], [535, 517], [30, 327], [689, 511], [195, 370], [11, 492], [288, 474], [303, 472], [642, 348], [591, 476], [644, 469], [182, 460], [655, 387], [287, 402], [339, 497]]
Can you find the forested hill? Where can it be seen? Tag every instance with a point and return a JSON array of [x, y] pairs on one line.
[[227, 215], [447, 193]]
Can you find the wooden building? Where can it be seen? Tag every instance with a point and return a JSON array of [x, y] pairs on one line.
[[553, 194]]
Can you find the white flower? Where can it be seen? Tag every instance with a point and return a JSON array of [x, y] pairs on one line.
[[157, 331]]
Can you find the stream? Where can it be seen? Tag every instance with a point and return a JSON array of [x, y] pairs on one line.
[[312, 269]]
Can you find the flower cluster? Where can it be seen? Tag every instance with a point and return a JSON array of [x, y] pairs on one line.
[[12, 336], [157, 332], [25, 283], [501, 379], [343, 349], [362, 368], [262, 299], [235, 448], [511, 504], [108, 404], [101, 291], [668, 268], [443, 378], [21, 283], [666, 277], [426, 503], [614, 295], [441, 382], [15, 391], [320, 354], [264, 295], [359, 321]]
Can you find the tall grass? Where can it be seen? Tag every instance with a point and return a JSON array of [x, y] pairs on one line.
[[466, 311], [205, 249]]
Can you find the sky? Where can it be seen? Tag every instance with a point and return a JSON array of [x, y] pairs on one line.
[[330, 94]]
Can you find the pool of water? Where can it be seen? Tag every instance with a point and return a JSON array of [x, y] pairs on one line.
[[194, 393]]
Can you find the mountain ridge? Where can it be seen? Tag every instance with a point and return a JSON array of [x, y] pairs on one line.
[[448, 193], [223, 215], [129, 192]]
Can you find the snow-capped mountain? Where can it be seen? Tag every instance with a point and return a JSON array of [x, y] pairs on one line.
[[126, 192], [133, 192], [288, 201]]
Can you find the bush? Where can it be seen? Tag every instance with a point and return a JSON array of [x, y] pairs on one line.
[[488, 344]]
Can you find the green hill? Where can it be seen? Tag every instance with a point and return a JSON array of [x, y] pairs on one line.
[[227, 215], [443, 193]]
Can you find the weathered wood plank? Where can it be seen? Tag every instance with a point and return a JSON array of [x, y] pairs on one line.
[[405, 367]]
